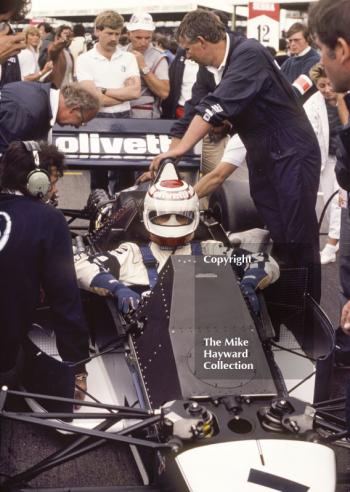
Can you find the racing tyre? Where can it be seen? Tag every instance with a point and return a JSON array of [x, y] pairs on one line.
[[233, 207]]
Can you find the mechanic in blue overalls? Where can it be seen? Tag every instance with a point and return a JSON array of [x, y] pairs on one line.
[[283, 156], [171, 216], [36, 259]]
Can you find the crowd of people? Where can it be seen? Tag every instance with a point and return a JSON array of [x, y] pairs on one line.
[[219, 87]]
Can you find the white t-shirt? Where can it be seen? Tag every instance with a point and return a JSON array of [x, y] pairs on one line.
[[188, 79], [110, 74], [235, 151], [28, 62], [219, 71]]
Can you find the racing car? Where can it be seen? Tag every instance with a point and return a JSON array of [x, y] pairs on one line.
[[190, 429]]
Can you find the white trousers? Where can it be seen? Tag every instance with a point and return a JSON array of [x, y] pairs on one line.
[[328, 185]]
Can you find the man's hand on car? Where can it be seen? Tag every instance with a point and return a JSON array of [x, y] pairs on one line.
[[146, 176], [171, 154]]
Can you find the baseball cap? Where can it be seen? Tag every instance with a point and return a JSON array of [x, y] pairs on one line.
[[142, 21]]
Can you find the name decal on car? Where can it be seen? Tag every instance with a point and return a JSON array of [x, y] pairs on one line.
[[90, 145]]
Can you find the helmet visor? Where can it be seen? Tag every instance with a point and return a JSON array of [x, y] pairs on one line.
[[167, 219]]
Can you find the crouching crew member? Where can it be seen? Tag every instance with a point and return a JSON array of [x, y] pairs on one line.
[[35, 255]]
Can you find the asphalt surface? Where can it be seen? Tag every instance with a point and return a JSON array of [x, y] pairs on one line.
[[23, 445]]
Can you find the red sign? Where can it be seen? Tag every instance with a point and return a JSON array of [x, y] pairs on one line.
[[271, 10]]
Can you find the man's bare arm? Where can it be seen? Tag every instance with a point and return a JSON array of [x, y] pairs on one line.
[[160, 88], [211, 181], [131, 90], [112, 97], [195, 132], [11, 45]]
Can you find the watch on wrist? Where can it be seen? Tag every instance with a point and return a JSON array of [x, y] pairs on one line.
[[145, 70], [103, 90]]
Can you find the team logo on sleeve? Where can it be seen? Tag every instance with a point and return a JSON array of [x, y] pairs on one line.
[[5, 229], [209, 113]]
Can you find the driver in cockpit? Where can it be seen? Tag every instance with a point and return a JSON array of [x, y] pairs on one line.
[[171, 217]]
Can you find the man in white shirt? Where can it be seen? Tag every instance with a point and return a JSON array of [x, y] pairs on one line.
[[116, 74]]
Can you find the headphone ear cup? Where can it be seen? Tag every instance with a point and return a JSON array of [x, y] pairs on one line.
[[38, 183]]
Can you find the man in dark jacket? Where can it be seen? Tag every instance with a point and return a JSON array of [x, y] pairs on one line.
[[176, 72], [28, 110], [303, 57], [35, 256], [282, 151], [330, 22]]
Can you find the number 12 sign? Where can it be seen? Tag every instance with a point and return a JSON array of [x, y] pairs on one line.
[[263, 23]]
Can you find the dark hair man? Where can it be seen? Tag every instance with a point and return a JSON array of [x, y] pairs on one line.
[[303, 57], [17, 8], [11, 44], [45, 28], [47, 34], [28, 111], [163, 44], [62, 59], [35, 254], [282, 151], [330, 21], [78, 45]]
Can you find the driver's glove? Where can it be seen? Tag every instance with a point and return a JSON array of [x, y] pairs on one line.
[[128, 299], [105, 283], [249, 283], [261, 272]]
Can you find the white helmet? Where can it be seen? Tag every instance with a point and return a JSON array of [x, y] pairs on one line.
[[171, 206]]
